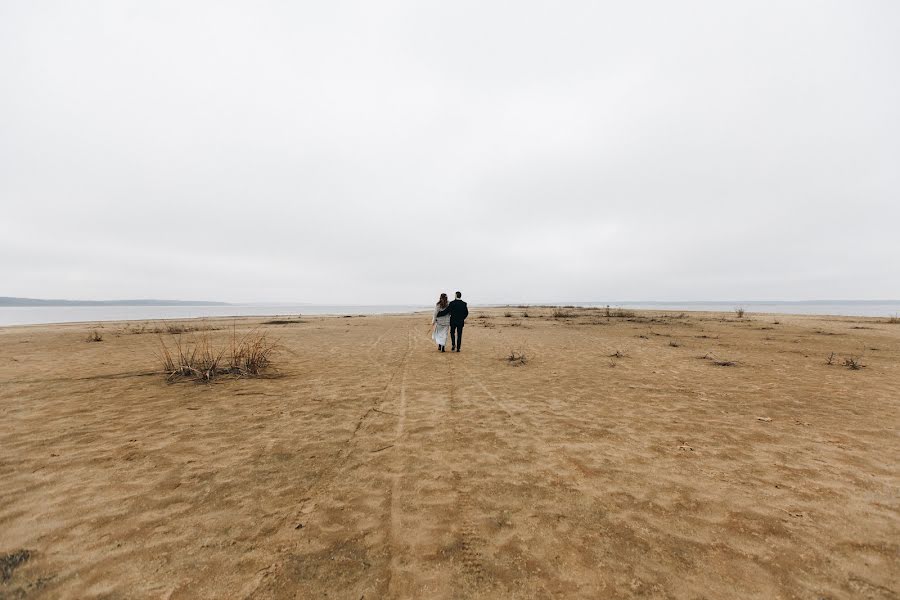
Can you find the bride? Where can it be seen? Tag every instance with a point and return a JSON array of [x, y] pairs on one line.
[[441, 325]]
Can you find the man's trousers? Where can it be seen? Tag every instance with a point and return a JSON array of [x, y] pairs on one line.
[[456, 335]]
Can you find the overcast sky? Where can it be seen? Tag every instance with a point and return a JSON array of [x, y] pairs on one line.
[[383, 152]]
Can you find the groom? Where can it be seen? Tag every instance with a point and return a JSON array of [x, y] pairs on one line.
[[458, 310]]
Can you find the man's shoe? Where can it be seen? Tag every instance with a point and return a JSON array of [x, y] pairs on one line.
[[453, 349], [458, 349]]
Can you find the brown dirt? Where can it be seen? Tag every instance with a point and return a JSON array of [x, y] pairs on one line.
[[373, 466]]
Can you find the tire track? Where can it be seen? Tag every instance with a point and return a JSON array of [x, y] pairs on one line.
[[394, 511], [349, 447]]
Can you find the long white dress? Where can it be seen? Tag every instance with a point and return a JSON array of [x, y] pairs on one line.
[[441, 326]]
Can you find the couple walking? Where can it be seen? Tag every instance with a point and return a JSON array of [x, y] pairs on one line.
[[452, 316]]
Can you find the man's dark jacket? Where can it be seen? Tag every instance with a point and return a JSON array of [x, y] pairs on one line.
[[458, 312]]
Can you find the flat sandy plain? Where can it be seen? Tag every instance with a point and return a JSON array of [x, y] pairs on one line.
[[373, 466]]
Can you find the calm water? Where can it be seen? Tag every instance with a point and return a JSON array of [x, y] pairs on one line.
[[28, 315]]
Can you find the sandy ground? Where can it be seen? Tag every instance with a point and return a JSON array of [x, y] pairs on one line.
[[373, 466]]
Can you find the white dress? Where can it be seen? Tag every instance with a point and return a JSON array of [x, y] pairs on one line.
[[441, 326]]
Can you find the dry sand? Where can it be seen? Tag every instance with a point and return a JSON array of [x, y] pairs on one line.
[[375, 467]]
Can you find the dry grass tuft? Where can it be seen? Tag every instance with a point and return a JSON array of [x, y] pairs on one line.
[[853, 363], [718, 361], [618, 313], [199, 360], [516, 358], [10, 562], [284, 321], [562, 313], [95, 336], [166, 327], [739, 311], [895, 320], [675, 343]]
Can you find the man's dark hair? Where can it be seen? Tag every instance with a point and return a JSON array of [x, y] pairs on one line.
[[459, 294]]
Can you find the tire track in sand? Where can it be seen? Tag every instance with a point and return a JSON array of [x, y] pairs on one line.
[[349, 447], [488, 434]]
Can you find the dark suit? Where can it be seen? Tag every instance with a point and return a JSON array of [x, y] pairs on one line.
[[458, 310]]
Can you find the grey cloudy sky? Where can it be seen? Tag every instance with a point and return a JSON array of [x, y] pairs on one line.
[[386, 151]]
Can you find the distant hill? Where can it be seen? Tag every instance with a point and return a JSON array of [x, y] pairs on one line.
[[8, 301]]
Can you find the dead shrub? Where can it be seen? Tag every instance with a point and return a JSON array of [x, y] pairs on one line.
[[739, 311], [95, 336], [830, 359], [516, 358], [199, 359], [853, 363], [10, 562], [618, 313], [718, 361]]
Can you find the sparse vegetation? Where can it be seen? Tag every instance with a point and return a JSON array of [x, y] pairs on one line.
[[618, 313], [284, 321], [516, 358], [95, 336], [739, 311], [830, 359], [562, 313], [9, 563], [507, 314], [617, 354], [718, 361], [525, 314], [853, 363], [674, 343], [894, 320], [198, 359], [170, 328]]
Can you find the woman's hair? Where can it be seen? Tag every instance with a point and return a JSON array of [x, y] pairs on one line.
[[442, 302]]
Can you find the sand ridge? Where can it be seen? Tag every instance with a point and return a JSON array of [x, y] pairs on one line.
[[616, 462]]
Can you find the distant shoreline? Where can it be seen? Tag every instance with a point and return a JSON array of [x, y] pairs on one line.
[[8, 301], [71, 313]]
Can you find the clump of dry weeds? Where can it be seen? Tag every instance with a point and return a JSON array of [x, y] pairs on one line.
[[197, 358], [719, 362], [854, 363], [516, 358]]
